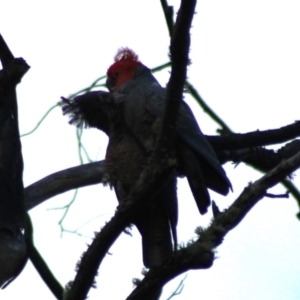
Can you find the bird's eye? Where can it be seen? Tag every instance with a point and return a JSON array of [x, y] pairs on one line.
[[116, 74]]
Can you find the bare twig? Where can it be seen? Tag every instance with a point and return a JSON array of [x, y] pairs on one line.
[[13, 256], [179, 288], [40, 121], [169, 13], [194, 93], [273, 196]]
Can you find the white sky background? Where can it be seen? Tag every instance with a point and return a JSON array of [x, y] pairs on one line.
[[245, 64]]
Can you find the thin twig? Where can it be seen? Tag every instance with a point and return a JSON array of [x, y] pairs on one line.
[[195, 94], [179, 288], [40, 121]]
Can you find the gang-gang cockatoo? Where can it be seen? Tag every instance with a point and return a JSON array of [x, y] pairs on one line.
[[125, 160], [142, 98]]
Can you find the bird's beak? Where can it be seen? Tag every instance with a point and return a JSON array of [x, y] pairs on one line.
[[110, 83]]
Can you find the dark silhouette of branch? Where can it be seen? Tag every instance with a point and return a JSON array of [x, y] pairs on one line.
[[39, 263], [12, 201], [257, 138], [6, 55], [264, 160], [92, 258], [200, 254], [169, 13], [236, 141], [13, 256], [261, 158], [89, 264], [274, 196]]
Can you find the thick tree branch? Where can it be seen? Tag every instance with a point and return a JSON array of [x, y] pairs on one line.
[[63, 181], [200, 254], [12, 74], [264, 160], [92, 173], [257, 138], [13, 256], [261, 158], [89, 264], [92, 258]]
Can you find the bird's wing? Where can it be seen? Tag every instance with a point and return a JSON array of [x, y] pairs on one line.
[[188, 130], [89, 110]]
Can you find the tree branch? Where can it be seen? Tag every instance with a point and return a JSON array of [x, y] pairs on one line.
[[180, 44], [264, 160], [257, 138], [13, 256], [261, 158], [63, 181], [6, 55], [39, 263], [168, 12], [200, 254], [92, 173], [89, 264]]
